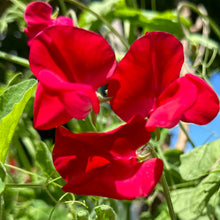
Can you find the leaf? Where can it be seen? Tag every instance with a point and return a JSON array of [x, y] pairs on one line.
[[181, 199], [12, 104], [199, 161], [204, 191], [44, 158], [105, 212]]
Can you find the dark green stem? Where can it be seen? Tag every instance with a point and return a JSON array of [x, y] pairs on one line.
[[167, 196], [166, 190]]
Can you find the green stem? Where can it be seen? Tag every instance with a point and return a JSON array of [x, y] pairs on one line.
[[101, 19], [188, 137], [63, 6], [24, 171], [26, 185], [14, 59], [166, 190], [167, 196]]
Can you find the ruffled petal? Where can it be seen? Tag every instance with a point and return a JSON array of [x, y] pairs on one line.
[[151, 64], [76, 55], [137, 180], [45, 116], [206, 106], [38, 16], [91, 165], [173, 103], [74, 100]]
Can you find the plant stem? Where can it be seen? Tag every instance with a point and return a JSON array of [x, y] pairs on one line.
[[14, 59], [24, 171], [101, 19], [167, 196], [188, 137], [166, 190], [25, 185]]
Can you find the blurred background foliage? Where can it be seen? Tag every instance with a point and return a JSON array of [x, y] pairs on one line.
[[30, 187]]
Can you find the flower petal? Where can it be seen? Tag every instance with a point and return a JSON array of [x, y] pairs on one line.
[[38, 16], [45, 116], [152, 63], [140, 180], [74, 100], [173, 103], [62, 50], [102, 164], [206, 106]]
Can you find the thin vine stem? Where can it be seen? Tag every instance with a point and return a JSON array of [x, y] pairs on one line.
[[194, 8], [25, 185], [165, 190], [125, 43], [187, 135], [14, 59], [24, 171], [167, 196]]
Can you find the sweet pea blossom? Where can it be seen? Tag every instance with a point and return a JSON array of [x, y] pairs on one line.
[[106, 164], [147, 82], [71, 64], [38, 17]]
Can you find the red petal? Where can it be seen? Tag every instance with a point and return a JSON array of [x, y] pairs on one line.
[[140, 180], [74, 100], [38, 16], [76, 55], [91, 165], [173, 103], [206, 106], [151, 64], [46, 117]]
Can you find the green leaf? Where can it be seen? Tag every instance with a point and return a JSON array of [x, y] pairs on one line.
[[183, 207], [12, 104], [105, 212], [204, 191], [44, 159], [199, 161]]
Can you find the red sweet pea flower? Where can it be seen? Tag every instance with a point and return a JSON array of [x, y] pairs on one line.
[[147, 82], [105, 164], [38, 17], [70, 64]]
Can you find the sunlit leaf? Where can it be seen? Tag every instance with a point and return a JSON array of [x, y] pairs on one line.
[[181, 199], [199, 161], [12, 104], [204, 191]]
